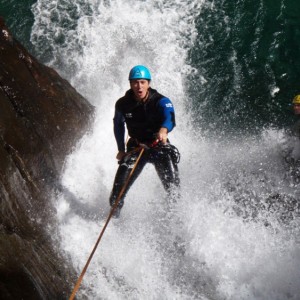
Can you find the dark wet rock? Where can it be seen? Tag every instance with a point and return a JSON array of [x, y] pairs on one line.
[[41, 119]]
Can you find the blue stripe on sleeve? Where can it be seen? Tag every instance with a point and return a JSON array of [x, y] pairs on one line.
[[166, 108]]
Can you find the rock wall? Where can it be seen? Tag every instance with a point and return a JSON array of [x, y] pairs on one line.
[[41, 119]]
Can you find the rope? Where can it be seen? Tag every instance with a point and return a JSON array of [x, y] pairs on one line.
[[77, 285]]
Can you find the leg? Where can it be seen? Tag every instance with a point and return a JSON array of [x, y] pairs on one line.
[[167, 171], [122, 175]]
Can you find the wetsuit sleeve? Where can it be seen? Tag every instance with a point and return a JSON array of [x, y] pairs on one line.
[[119, 130], [166, 108]]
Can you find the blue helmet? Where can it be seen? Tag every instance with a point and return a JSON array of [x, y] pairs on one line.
[[139, 72]]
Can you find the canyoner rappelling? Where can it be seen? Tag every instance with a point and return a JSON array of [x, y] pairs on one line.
[[149, 117]]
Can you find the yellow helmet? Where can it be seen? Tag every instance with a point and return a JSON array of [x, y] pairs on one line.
[[296, 99]]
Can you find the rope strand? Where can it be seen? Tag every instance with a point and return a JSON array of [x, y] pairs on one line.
[[77, 285]]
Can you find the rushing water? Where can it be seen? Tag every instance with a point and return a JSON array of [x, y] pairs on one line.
[[230, 69]]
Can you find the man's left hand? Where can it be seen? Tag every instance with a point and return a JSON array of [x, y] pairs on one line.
[[162, 135]]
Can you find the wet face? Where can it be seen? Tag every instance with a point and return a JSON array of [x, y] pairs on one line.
[[296, 108], [140, 88]]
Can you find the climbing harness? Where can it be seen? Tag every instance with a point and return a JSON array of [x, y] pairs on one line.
[[173, 152], [165, 150]]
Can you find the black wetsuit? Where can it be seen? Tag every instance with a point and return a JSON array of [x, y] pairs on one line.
[[143, 121]]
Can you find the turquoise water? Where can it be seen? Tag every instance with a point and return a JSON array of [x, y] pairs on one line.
[[230, 67], [19, 18], [248, 52]]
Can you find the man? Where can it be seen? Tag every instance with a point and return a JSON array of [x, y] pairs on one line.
[[149, 117], [291, 145], [292, 149], [296, 108], [296, 104]]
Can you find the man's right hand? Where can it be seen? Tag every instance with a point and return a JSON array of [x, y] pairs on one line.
[[120, 155]]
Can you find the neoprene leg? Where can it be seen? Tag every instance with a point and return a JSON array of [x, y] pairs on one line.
[[167, 172], [122, 175]]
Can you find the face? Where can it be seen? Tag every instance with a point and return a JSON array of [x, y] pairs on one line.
[[140, 88], [296, 108]]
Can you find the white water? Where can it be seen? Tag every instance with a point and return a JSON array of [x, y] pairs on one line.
[[223, 256]]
